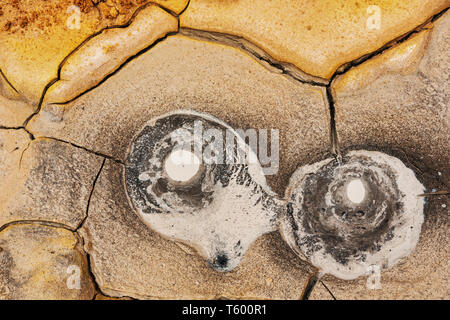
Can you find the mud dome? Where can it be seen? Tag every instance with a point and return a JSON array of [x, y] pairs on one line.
[[220, 206], [345, 218]]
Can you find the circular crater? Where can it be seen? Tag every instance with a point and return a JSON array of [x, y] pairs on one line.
[[193, 179], [177, 161], [346, 217]]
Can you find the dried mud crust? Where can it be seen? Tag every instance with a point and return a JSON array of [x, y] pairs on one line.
[[21, 15], [65, 29], [34, 260]]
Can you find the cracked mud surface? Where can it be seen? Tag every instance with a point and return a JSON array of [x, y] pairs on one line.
[[34, 260], [71, 102], [344, 235]]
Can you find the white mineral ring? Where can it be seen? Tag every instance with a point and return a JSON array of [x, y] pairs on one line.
[[347, 217]]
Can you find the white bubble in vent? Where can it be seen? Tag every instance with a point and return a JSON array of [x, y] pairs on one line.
[[181, 165]]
